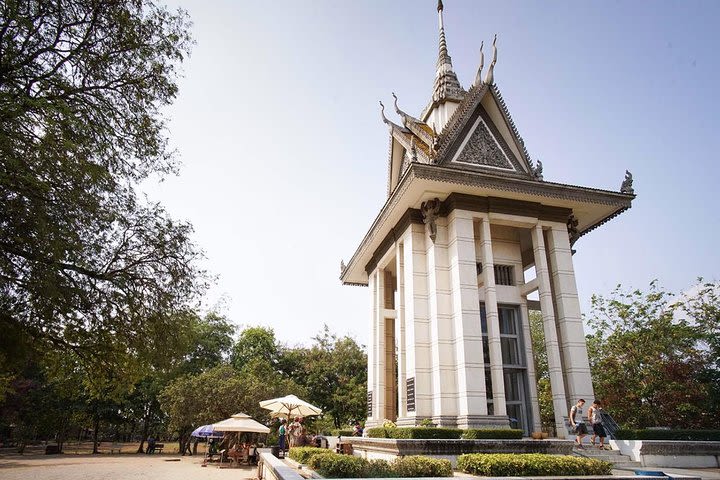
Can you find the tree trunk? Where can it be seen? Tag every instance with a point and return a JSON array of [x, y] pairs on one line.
[[96, 427], [195, 445], [146, 428]]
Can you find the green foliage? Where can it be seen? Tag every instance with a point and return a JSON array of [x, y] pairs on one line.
[[338, 432], [304, 454], [494, 433], [530, 464], [414, 432], [255, 343], [442, 433], [332, 465], [334, 372], [654, 356], [218, 393], [690, 435], [542, 374], [87, 266], [419, 466], [379, 469]]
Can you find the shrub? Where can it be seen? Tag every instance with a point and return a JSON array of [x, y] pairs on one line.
[[530, 464], [414, 432], [379, 469], [304, 454], [333, 465], [496, 433], [418, 466], [377, 432], [342, 433], [680, 435]]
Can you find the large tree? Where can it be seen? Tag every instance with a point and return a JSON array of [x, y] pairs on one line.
[[86, 265], [652, 359]]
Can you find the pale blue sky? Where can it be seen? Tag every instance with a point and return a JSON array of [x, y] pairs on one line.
[[284, 154]]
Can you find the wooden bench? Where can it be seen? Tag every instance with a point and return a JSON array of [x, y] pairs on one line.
[[115, 446]]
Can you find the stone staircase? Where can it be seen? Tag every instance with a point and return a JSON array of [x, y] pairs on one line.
[[619, 461]]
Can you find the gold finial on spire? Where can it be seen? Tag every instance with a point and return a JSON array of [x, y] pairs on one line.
[[489, 79], [478, 76]]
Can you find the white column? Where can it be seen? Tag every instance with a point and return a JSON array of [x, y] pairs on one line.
[[571, 333], [470, 374], [444, 389], [532, 379], [551, 342], [417, 324], [400, 330], [372, 348], [493, 319], [379, 383]]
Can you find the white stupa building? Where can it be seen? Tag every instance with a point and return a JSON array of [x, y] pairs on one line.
[[468, 216]]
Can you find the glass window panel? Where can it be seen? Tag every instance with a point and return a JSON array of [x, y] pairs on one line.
[[483, 319], [507, 321], [486, 350], [515, 414], [512, 386], [510, 354]]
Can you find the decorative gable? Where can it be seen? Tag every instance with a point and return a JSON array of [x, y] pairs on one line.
[[482, 149]]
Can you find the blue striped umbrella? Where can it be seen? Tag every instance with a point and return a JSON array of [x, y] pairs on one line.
[[206, 431]]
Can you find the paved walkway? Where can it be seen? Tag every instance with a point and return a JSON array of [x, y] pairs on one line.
[[704, 473], [116, 467]]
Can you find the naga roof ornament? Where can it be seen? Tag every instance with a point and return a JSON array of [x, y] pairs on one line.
[[489, 78], [478, 76]]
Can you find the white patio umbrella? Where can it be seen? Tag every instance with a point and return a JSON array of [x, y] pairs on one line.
[[290, 406], [240, 423]]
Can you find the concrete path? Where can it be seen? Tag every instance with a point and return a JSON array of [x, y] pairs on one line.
[[116, 467]]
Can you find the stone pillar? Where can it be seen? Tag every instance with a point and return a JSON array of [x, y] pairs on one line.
[[379, 341], [531, 374], [551, 342], [417, 324], [569, 320], [493, 325], [470, 373], [400, 332], [444, 389]]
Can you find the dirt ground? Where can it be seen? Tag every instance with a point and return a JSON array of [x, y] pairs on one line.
[[112, 467]]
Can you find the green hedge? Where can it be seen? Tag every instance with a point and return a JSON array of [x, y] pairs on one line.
[[342, 433], [414, 432], [687, 435], [333, 465], [304, 454], [530, 464], [495, 433], [419, 466], [439, 433]]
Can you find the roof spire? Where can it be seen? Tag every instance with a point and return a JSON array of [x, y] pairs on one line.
[[446, 84]]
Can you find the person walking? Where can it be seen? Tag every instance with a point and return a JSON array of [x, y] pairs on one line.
[[578, 423], [282, 437], [595, 416]]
